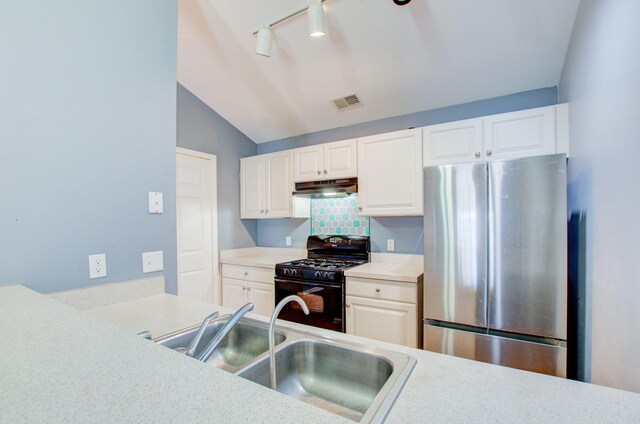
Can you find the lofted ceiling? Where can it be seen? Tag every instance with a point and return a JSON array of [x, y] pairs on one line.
[[397, 59]]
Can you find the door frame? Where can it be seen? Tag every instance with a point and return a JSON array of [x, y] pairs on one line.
[[215, 269]]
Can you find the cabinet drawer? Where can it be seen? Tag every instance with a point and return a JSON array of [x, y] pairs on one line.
[[247, 273], [382, 289]]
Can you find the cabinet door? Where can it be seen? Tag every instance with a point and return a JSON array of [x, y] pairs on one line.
[[263, 297], [390, 174], [252, 187], [308, 163], [392, 322], [519, 134], [341, 159], [279, 184], [234, 293], [453, 142]]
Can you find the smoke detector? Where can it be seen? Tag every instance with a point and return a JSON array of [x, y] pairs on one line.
[[347, 102]]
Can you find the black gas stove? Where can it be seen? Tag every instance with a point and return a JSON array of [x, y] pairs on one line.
[[319, 279]]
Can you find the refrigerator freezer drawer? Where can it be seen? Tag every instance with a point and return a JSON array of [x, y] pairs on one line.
[[524, 355]]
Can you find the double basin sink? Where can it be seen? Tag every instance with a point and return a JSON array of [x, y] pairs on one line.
[[355, 381]]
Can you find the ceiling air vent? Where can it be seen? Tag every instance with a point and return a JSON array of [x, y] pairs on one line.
[[347, 102]]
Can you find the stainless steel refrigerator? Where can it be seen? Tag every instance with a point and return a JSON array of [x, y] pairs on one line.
[[495, 262]]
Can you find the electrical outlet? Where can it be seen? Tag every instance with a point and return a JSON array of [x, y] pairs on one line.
[[152, 261], [287, 240], [156, 204], [97, 266], [391, 245]]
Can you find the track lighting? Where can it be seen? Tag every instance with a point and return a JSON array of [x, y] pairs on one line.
[[317, 26], [263, 43], [315, 12]]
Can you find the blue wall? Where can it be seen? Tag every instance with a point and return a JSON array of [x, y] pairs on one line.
[[87, 129], [600, 82], [407, 232], [201, 128]]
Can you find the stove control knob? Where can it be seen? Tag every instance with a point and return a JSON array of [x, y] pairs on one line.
[[326, 275], [317, 274], [294, 272], [286, 271]]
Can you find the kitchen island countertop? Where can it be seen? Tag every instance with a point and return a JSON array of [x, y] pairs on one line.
[[77, 366]]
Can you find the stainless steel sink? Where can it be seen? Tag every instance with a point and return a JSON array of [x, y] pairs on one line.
[[359, 384], [355, 381], [246, 341]]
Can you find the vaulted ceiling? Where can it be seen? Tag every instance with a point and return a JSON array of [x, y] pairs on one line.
[[397, 59]]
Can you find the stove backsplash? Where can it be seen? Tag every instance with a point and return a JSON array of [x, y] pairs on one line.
[[338, 216]]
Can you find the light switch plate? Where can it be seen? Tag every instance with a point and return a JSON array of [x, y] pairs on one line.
[[152, 261], [391, 245], [287, 240], [156, 204], [97, 266]]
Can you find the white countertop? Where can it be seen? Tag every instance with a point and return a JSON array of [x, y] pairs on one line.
[[261, 257], [386, 271], [101, 373]]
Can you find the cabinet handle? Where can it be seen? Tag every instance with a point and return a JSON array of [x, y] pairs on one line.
[[244, 288], [249, 289], [477, 155], [266, 211], [347, 305], [377, 290], [246, 273], [359, 208], [319, 172], [489, 152], [261, 210], [325, 171]]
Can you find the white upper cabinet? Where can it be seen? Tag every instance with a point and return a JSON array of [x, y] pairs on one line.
[[252, 187], [325, 161], [390, 174], [279, 184], [511, 135], [452, 142], [266, 185], [518, 134]]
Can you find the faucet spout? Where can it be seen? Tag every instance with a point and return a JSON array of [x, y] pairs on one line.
[[272, 324], [220, 335], [191, 349]]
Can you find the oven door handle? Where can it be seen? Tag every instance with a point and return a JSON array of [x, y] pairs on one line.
[[317, 284]]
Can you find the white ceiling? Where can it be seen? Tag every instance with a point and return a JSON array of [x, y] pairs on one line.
[[397, 59]]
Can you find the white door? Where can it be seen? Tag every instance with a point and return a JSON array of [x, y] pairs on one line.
[[196, 210], [392, 322], [279, 168], [453, 142], [340, 159], [307, 163], [252, 187]]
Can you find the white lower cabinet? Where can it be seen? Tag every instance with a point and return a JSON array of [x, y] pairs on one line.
[[241, 285], [383, 310], [392, 322]]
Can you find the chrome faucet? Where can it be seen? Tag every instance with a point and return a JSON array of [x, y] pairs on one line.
[[272, 325], [191, 349], [220, 335]]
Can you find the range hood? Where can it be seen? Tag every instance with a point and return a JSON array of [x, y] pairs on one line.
[[328, 188]]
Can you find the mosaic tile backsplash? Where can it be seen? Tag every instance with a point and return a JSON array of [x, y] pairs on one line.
[[338, 216]]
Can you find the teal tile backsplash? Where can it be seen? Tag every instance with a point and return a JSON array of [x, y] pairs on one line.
[[338, 216]]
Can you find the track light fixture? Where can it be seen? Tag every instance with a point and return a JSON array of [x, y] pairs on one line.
[[263, 42], [315, 12], [317, 26]]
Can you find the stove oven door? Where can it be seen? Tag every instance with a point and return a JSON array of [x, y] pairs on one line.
[[324, 300]]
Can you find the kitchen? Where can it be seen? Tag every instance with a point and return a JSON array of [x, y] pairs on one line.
[[78, 119]]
